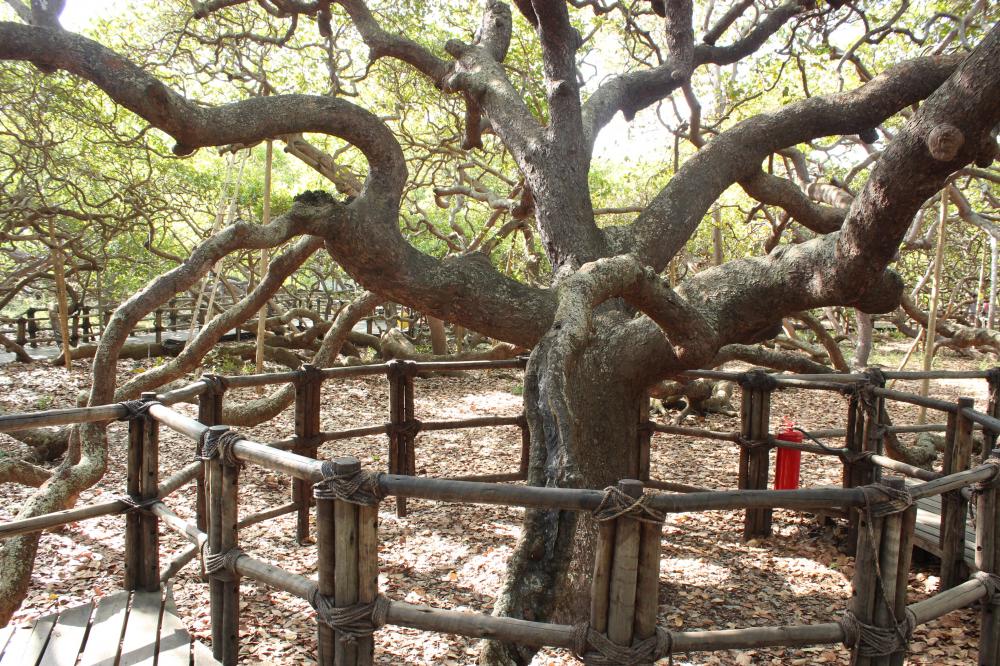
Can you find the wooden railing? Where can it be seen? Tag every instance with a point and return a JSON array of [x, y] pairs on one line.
[[624, 593]]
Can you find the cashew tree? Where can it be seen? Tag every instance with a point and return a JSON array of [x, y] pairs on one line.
[[605, 324]]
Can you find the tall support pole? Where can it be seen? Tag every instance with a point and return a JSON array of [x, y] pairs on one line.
[[264, 260], [935, 299], [308, 389], [402, 424], [854, 465], [988, 561], [954, 507], [142, 553], [755, 416]]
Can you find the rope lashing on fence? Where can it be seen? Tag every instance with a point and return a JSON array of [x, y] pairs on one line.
[[596, 649], [223, 565], [136, 409], [214, 442], [616, 504], [874, 641], [409, 428], [892, 500], [756, 380], [357, 487], [978, 488], [351, 622], [992, 584], [133, 503], [748, 443]]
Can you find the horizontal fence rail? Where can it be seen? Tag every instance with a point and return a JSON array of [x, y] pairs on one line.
[[622, 620]]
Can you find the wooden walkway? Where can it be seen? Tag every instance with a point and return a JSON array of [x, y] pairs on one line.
[[926, 535], [113, 632]]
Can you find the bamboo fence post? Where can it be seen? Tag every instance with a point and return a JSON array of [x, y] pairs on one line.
[[853, 443], [307, 407], [891, 561], [325, 560], [142, 563], [367, 572], [228, 540], [865, 582], [172, 313], [217, 599], [954, 507], [625, 584], [988, 561], [345, 583], [209, 413], [22, 330], [402, 425], [993, 409], [907, 531], [755, 416]]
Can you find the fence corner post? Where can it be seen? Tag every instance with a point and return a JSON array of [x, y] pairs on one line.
[[308, 390], [988, 561], [755, 417], [954, 507]]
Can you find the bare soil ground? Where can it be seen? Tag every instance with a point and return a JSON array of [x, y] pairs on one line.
[[453, 556]]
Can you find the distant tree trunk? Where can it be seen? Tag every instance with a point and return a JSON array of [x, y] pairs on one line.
[[863, 347], [439, 337]]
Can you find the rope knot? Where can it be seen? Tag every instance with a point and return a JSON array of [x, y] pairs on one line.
[[357, 487], [874, 641], [892, 500], [596, 649], [616, 503], [409, 428], [136, 409], [135, 503], [351, 622], [223, 565], [992, 584], [215, 441]]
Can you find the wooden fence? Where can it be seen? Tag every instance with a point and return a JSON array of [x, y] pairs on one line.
[[34, 327], [624, 595]]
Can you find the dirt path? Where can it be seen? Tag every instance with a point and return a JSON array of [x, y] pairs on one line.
[[452, 556]]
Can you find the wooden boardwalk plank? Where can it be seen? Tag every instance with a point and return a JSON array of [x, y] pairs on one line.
[[201, 655], [5, 635], [139, 643], [67, 636], [105, 635], [175, 642], [928, 529], [15, 646], [30, 644]]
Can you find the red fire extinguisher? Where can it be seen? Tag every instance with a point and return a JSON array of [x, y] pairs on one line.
[[788, 461]]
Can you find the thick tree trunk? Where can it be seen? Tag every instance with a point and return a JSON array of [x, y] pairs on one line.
[[583, 418]]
